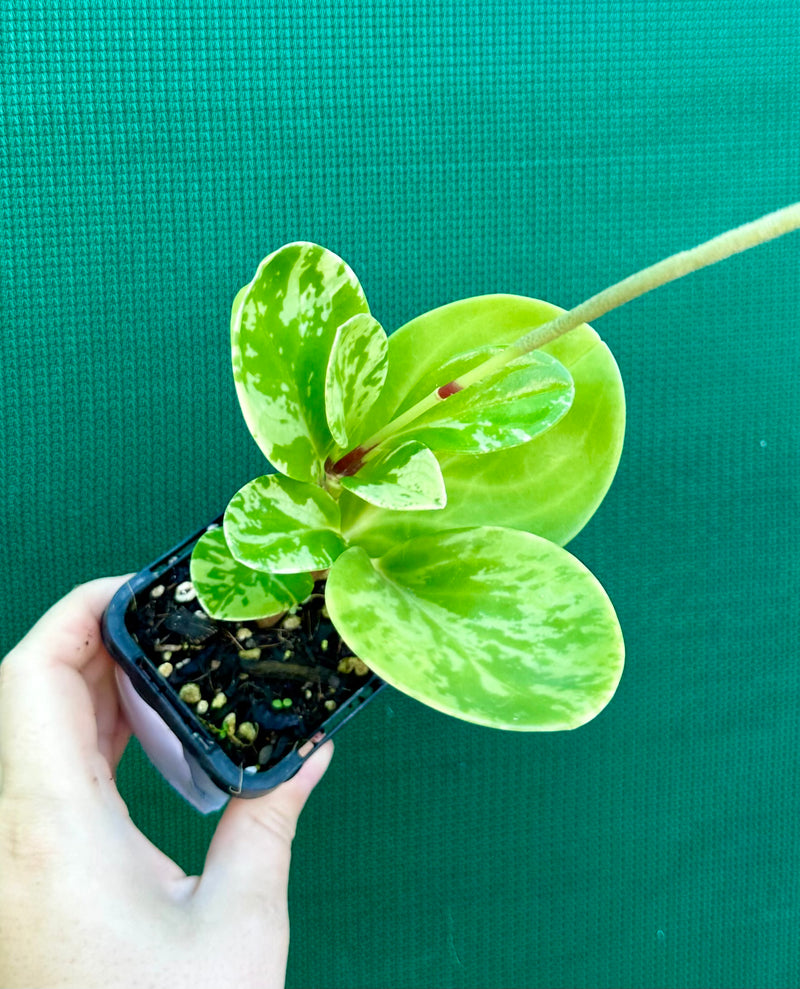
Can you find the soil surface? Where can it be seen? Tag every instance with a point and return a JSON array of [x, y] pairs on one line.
[[259, 689]]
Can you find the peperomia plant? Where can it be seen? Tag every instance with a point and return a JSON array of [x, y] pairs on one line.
[[435, 477]]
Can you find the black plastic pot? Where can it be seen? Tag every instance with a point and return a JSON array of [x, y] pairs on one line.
[[174, 737]]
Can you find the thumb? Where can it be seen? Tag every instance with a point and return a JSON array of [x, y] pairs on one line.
[[247, 865]]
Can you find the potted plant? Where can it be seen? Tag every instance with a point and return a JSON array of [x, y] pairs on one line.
[[411, 532]]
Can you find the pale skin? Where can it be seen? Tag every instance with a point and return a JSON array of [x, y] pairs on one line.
[[85, 898]]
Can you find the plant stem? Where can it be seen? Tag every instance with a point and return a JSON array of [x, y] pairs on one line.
[[734, 241]]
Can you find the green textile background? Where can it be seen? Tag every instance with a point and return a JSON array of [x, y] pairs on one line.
[[152, 153]]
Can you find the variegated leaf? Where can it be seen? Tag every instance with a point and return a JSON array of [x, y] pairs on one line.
[[408, 479], [280, 525], [236, 307], [355, 376], [230, 591], [281, 335], [507, 409], [490, 625], [552, 485]]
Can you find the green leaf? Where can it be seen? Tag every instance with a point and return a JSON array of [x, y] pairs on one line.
[[281, 339], [511, 407], [236, 307], [230, 591], [551, 486], [491, 625], [407, 479], [280, 525], [355, 376]]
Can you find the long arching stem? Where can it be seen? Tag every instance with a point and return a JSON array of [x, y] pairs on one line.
[[734, 241]]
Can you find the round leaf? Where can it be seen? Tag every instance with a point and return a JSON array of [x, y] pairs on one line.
[[510, 407], [230, 591], [551, 486], [355, 376], [280, 525], [491, 625], [282, 332], [408, 479]]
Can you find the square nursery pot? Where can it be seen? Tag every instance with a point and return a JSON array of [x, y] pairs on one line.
[[227, 708]]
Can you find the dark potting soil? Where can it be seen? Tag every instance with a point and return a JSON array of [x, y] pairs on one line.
[[259, 691]]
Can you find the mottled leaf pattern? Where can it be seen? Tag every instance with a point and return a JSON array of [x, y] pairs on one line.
[[493, 625], [407, 479], [280, 525], [490, 625], [281, 336], [355, 376], [552, 485], [230, 591], [521, 400]]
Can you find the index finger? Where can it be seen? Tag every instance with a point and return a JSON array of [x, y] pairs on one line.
[[76, 618]]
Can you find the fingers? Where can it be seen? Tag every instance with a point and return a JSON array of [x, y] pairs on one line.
[[69, 633], [247, 866], [58, 702]]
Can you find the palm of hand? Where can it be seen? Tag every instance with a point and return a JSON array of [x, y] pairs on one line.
[[87, 898]]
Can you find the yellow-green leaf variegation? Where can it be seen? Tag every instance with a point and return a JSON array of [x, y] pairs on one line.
[[491, 625], [550, 486], [512, 406], [354, 377], [228, 590], [407, 479], [280, 525], [434, 490], [282, 332]]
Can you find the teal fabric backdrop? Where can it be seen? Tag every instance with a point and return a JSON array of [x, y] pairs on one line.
[[153, 153]]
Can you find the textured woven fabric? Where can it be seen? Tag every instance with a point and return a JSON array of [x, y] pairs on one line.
[[152, 153]]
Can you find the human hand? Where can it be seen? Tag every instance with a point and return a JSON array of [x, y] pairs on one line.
[[85, 898]]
